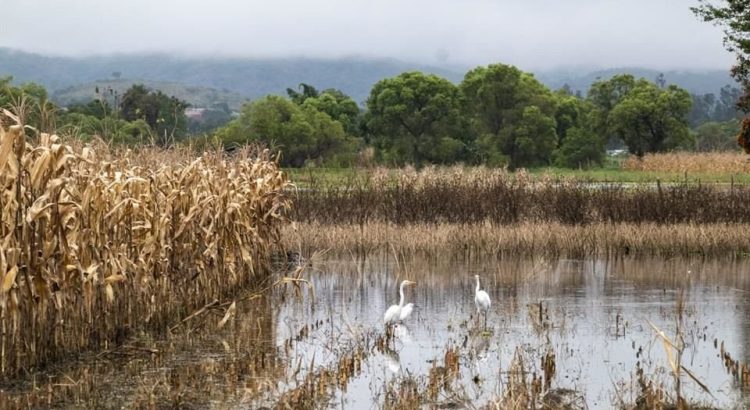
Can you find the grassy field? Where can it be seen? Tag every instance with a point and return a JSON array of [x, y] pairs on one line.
[[723, 168]]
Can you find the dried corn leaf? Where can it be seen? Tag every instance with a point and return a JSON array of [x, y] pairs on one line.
[[230, 312], [10, 278]]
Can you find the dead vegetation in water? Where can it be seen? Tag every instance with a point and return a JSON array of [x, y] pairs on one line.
[[316, 389], [94, 247], [477, 195], [739, 370], [535, 239], [437, 390], [524, 388], [239, 363], [654, 392]]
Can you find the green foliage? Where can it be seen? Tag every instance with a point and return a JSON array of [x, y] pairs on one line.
[[734, 17], [110, 129], [652, 119], [164, 115], [717, 136], [710, 108], [196, 96], [303, 134], [94, 108], [581, 149], [306, 91], [338, 106], [416, 118], [604, 96], [571, 112], [210, 119], [29, 101], [513, 115]]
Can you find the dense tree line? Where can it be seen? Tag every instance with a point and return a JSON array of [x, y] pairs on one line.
[[498, 116]]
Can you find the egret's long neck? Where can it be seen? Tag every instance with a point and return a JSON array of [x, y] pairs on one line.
[[401, 292], [477, 285]]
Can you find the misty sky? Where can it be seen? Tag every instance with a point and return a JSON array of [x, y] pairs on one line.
[[533, 34]]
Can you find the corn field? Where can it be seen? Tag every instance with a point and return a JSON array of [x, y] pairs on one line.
[[95, 245]]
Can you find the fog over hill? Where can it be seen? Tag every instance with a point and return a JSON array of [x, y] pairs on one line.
[[252, 78]]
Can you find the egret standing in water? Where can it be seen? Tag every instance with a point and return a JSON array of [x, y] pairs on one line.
[[397, 313], [482, 300]]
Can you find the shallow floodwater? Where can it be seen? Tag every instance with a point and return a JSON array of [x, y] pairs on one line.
[[591, 315], [595, 318]]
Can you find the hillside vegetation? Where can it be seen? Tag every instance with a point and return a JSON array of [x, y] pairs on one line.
[[254, 78], [196, 96]]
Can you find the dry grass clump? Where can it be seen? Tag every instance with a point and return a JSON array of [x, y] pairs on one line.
[[94, 246], [525, 389], [540, 239], [475, 195], [681, 162]]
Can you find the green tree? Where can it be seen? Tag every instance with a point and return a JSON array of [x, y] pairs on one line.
[[604, 95], [717, 136], [94, 108], [513, 115], [30, 102], [303, 134], [416, 118], [578, 145], [165, 115], [734, 17], [580, 149], [305, 91], [338, 106], [651, 119]]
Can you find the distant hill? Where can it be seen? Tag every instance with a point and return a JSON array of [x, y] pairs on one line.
[[251, 78], [196, 96], [695, 81], [236, 78]]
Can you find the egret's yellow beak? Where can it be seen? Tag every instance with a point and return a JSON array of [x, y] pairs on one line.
[[411, 282]]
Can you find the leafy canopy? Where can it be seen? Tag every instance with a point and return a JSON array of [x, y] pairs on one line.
[[304, 134], [416, 118], [512, 114]]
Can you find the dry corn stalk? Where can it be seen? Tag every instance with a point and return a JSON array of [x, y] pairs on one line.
[[94, 244]]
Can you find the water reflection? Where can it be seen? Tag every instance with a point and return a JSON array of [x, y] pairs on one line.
[[590, 315], [392, 359]]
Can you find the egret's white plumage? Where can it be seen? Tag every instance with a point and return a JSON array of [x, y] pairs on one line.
[[482, 301], [398, 313], [405, 311]]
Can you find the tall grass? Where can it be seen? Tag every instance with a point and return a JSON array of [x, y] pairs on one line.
[[94, 246], [527, 238], [478, 195], [704, 163]]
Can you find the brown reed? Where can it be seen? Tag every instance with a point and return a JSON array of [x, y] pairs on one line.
[[94, 246], [478, 195], [681, 162], [527, 238]]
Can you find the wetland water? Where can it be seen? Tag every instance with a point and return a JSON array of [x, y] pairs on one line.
[[594, 320]]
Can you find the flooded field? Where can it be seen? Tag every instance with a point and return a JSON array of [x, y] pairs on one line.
[[576, 333]]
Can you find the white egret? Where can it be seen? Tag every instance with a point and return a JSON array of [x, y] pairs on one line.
[[398, 313], [482, 300]]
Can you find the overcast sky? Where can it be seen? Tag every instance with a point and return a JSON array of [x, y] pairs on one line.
[[533, 34]]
